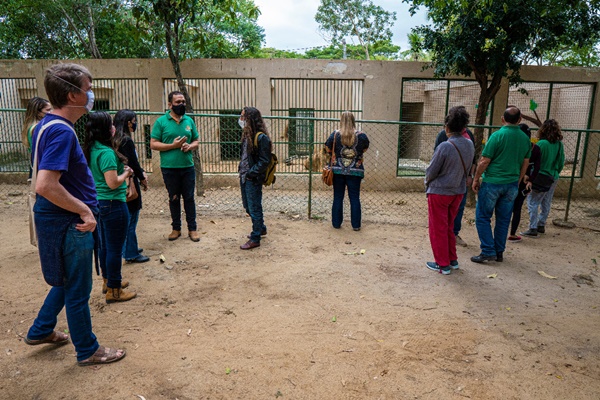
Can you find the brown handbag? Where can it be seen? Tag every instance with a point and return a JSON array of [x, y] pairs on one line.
[[327, 174], [132, 193]]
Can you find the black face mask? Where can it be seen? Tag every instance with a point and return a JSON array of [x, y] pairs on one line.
[[134, 126], [179, 109]]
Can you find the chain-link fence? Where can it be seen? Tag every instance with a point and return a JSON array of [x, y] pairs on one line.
[[392, 190]]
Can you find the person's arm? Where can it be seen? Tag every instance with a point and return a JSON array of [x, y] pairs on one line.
[[435, 166], [190, 146], [48, 186], [157, 145], [524, 167], [113, 180], [264, 157], [441, 138], [128, 150], [484, 162]]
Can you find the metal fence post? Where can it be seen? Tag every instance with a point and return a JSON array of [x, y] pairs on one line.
[[572, 177], [310, 171]]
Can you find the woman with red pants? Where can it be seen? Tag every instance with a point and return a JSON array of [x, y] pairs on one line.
[[446, 180]]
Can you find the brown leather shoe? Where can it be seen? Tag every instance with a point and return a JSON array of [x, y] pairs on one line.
[[194, 237], [249, 245], [113, 295], [124, 284], [174, 235]]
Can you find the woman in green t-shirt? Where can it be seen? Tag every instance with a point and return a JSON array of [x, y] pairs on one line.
[[110, 171], [551, 164]]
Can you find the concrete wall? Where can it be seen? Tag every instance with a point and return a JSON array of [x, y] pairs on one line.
[[375, 90]]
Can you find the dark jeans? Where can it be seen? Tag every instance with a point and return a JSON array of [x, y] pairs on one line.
[[113, 223], [459, 215], [181, 182], [499, 199], [517, 207], [130, 248], [252, 201], [74, 296], [340, 182]]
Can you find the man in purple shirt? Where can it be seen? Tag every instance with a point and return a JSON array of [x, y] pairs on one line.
[[64, 217]]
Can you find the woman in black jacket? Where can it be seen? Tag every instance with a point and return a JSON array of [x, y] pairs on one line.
[[125, 122], [255, 155]]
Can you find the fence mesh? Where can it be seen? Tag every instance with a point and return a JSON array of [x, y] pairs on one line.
[[392, 190]]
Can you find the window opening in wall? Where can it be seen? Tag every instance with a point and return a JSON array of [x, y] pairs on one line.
[[230, 134], [300, 131]]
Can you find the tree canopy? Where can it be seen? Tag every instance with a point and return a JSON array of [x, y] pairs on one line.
[[65, 29], [339, 19], [488, 39]]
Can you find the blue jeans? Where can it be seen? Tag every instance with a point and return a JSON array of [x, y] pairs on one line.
[[252, 201], [181, 182], [130, 248], [340, 182], [74, 296], [461, 211], [498, 198], [537, 200], [113, 222]]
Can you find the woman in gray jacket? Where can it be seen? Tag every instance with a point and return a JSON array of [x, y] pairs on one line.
[[446, 183]]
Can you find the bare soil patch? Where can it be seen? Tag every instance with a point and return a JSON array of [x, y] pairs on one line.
[[307, 316]]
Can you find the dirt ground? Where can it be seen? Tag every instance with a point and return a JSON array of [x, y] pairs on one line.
[[309, 316]]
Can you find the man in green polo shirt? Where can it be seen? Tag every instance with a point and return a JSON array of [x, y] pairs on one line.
[[503, 163], [175, 136]]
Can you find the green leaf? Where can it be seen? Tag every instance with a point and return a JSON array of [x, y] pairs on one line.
[[532, 105]]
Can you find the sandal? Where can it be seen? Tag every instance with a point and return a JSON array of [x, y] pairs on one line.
[[56, 338], [104, 355]]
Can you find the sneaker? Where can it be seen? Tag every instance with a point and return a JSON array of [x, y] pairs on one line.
[[434, 267], [454, 264], [530, 233], [541, 229], [514, 238], [460, 242], [483, 258]]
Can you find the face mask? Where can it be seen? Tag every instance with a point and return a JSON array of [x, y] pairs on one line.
[[179, 110], [242, 123], [90, 101], [133, 126]]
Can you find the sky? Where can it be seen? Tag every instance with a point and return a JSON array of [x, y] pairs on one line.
[[290, 24]]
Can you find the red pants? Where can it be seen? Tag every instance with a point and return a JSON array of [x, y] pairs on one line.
[[442, 211]]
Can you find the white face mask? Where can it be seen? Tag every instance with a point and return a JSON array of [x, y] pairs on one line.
[[242, 123], [90, 101]]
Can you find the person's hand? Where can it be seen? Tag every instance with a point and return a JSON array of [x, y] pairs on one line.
[[128, 171], [144, 184], [179, 142], [185, 147], [88, 224], [476, 185], [529, 185]]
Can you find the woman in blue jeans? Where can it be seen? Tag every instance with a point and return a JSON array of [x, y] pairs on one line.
[[346, 147], [255, 155], [110, 174], [125, 122], [551, 164]]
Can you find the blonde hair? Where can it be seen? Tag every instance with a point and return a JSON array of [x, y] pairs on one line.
[[34, 108], [348, 129]]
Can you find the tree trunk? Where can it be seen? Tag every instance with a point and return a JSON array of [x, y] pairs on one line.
[[173, 52], [92, 34]]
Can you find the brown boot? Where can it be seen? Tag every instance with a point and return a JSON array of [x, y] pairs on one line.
[[194, 237], [118, 294], [124, 284], [174, 235]]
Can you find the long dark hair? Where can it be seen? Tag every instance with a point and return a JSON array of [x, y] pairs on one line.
[[254, 125], [550, 130], [34, 108], [98, 129], [120, 121]]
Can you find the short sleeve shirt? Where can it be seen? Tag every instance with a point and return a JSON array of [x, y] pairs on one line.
[[104, 159], [60, 151], [506, 148], [166, 130]]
